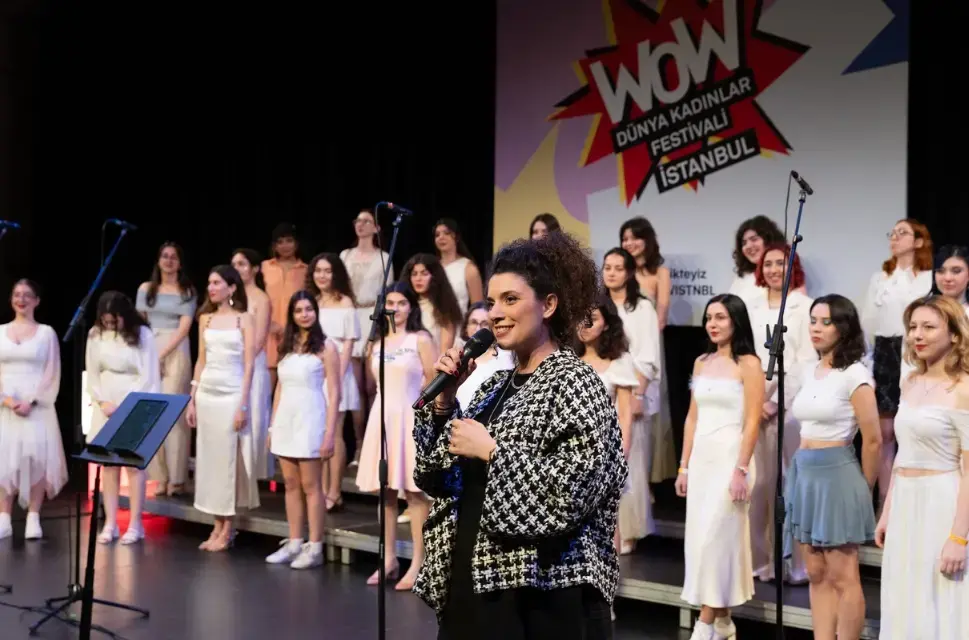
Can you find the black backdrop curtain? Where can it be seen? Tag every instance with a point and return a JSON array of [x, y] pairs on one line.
[[208, 125]]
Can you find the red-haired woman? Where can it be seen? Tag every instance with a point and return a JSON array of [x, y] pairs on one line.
[[762, 307], [905, 276]]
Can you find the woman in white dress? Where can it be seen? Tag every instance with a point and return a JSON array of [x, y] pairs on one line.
[[488, 363], [827, 494], [329, 284], [752, 236], [641, 326], [409, 363], [120, 358], [304, 427], [168, 302], [905, 276], [32, 463], [225, 468], [455, 257], [440, 312], [247, 262], [365, 262], [924, 526], [716, 469], [603, 345], [762, 308]]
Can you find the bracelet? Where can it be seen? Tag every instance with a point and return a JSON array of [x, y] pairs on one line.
[[958, 539], [193, 383], [742, 469], [442, 411], [683, 470]]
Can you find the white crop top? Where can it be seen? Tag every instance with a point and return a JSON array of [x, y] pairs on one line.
[[823, 405], [930, 436]]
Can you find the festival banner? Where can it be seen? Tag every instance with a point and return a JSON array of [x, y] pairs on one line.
[[693, 113]]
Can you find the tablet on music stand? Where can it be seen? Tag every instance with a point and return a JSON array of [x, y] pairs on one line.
[[135, 431]]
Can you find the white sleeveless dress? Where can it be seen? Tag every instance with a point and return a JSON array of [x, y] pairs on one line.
[[716, 545], [339, 324], [225, 475], [260, 411], [459, 283], [300, 421], [31, 451]]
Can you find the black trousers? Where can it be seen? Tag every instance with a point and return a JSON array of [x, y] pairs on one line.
[[573, 613]]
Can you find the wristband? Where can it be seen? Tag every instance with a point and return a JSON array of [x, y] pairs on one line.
[[683, 470], [959, 540]]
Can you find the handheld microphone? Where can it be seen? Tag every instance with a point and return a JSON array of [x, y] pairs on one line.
[[9, 224], [399, 209], [802, 182], [477, 345], [127, 226]]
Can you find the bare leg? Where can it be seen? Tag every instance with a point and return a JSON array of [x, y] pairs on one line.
[[6, 506], [888, 457], [309, 472], [419, 507], [335, 466], [224, 539], [214, 535], [110, 488], [824, 599], [358, 418], [37, 493], [294, 497], [391, 565], [136, 501], [359, 422], [845, 577]]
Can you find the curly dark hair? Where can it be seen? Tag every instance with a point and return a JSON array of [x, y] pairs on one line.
[[340, 279], [764, 227], [634, 294], [255, 261], [612, 342], [447, 312], [184, 282], [641, 229], [115, 303], [742, 340], [555, 265], [315, 339], [850, 347]]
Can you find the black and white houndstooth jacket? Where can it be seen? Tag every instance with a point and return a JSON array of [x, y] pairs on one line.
[[552, 492]]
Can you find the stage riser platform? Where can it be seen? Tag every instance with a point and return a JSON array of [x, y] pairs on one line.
[[355, 530]]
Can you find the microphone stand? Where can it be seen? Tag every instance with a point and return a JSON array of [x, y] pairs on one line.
[[381, 317], [775, 343]]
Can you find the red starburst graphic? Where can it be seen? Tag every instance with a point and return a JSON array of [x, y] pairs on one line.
[[760, 56]]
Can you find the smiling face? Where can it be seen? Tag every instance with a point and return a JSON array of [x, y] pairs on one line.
[[246, 271], [444, 239], [952, 278], [420, 279], [168, 261], [752, 246], [517, 315], [928, 333], [824, 333], [24, 300], [303, 314], [398, 303], [635, 246], [219, 290], [614, 274], [323, 275], [773, 269], [718, 324]]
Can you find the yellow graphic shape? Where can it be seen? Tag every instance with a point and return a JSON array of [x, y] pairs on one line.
[[534, 192]]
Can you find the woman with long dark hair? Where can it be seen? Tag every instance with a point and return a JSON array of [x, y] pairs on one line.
[[828, 496], [121, 358], [526, 481], [904, 277], [455, 257], [542, 225], [247, 262], [168, 302], [716, 470], [32, 463], [952, 273], [408, 365], [440, 312], [329, 283], [304, 427], [225, 458], [638, 237]]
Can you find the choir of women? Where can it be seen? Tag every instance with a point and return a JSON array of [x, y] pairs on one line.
[[286, 350], [305, 425], [121, 358], [167, 301], [32, 463]]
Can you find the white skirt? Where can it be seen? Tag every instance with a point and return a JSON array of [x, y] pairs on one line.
[[716, 544], [366, 325], [635, 508], [917, 601], [260, 410], [349, 392], [31, 453]]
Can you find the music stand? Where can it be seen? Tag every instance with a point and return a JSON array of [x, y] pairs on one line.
[[130, 438]]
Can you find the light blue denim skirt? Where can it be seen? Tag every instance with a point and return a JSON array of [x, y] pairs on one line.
[[827, 500]]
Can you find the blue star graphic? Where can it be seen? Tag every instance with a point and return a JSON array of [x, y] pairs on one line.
[[890, 46]]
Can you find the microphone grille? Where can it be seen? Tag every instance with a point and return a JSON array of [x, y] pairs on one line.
[[479, 343]]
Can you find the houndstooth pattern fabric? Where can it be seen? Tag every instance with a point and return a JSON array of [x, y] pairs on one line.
[[553, 486]]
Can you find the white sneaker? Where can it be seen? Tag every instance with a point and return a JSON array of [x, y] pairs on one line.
[[724, 628], [32, 530], [288, 550], [6, 529], [702, 631], [311, 555]]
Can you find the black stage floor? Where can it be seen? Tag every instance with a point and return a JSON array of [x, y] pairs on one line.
[[236, 596]]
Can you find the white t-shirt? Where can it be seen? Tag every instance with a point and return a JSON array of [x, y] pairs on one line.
[[823, 405]]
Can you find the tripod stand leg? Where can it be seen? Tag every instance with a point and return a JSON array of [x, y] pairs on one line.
[[53, 613], [6, 588], [126, 607]]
